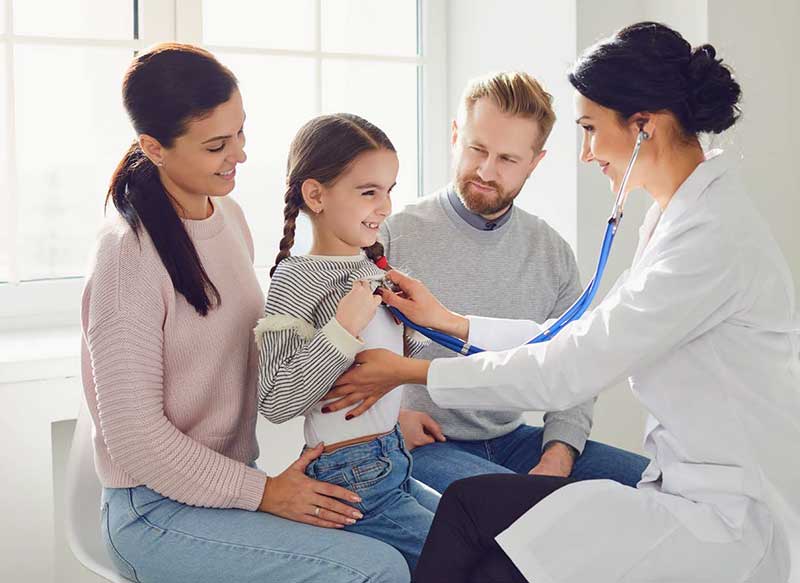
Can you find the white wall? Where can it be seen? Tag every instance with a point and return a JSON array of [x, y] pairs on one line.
[[537, 37], [760, 40]]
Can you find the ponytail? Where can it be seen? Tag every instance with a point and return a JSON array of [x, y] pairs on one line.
[[140, 197]]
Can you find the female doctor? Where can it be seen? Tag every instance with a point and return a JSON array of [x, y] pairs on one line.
[[701, 324]]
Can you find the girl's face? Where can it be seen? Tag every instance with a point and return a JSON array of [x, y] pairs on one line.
[[355, 205], [609, 143], [202, 162]]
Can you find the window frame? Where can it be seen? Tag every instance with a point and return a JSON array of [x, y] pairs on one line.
[[46, 303]]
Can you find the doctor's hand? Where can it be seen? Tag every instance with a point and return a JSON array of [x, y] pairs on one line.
[[422, 307], [374, 373], [419, 429], [557, 460]]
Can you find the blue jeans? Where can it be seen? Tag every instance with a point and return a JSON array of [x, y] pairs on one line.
[[152, 539], [397, 509], [440, 464]]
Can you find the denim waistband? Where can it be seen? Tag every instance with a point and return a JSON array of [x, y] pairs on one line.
[[380, 446]]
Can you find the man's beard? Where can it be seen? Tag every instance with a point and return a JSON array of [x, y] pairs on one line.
[[484, 204]]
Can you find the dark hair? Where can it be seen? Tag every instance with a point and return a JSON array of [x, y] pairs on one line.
[[163, 90], [323, 149], [650, 67]]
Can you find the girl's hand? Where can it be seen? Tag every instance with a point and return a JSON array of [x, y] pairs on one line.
[[422, 307], [295, 496], [357, 308], [375, 373]]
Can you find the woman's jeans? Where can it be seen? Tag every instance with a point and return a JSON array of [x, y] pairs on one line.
[[397, 509], [152, 539]]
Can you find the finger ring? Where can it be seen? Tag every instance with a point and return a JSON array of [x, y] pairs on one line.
[[316, 511]]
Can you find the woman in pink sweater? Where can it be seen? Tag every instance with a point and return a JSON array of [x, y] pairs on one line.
[[169, 360]]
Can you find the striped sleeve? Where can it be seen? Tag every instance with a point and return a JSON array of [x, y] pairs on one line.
[[298, 365], [302, 347], [414, 342]]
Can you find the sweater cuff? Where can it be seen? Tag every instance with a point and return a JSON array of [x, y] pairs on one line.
[[341, 339], [252, 489], [566, 432]]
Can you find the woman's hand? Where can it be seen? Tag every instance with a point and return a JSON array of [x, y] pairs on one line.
[[422, 307], [375, 373], [295, 496], [357, 308]]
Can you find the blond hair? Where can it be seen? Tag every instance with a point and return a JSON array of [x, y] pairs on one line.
[[515, 93]]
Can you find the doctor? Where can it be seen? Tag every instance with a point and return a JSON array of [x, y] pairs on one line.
[[701, 324]]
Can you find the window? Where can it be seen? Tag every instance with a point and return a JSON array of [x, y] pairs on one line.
[[63, 128]]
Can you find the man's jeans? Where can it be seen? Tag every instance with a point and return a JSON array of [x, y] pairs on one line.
[[442, 463]]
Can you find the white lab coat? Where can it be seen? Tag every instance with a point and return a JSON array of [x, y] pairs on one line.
[[703, 324]]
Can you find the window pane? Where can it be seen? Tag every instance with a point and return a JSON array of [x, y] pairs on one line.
[[384, 27], [5, 235], [103, 19], [386, 95], [266, 24], [278, 94], [71, 132]]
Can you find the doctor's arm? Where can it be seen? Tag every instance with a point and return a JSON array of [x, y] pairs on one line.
[[688, 289]]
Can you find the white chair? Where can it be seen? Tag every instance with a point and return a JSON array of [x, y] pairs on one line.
[[82, 503]]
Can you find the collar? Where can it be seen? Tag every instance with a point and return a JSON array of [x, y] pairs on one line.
[[474, 219], [714, 166], [209, 227]]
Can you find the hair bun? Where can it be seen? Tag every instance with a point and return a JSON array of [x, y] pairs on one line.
[[713, 92]]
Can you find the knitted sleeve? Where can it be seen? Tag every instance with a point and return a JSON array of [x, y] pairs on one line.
[[124, 308]]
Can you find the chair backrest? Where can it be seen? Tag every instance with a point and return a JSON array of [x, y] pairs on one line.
[[82, 502]]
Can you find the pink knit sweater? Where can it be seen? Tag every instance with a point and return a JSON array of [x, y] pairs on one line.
[[173, 394]]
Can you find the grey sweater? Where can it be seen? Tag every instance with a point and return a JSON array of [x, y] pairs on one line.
[[522, 269]]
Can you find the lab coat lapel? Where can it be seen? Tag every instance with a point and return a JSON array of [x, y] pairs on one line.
[[685, 197], [646, 232]]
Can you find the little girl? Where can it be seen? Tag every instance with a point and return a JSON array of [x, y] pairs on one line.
[[321, 311]]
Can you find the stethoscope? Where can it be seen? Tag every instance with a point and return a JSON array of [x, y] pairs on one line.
[[581, 304]]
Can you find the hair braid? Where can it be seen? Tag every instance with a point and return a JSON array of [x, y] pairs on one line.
[[290, 212]]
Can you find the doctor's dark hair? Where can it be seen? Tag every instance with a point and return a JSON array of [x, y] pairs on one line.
[[323, 149], [650, 67], [163, 90]]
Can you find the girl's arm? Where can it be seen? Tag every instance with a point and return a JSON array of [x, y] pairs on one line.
[[298, 364]]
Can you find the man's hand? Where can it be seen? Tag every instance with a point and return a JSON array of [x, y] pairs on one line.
[[419, 429], [557, 460]]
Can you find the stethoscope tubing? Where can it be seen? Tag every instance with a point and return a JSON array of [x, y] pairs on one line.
[[577, 309]]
